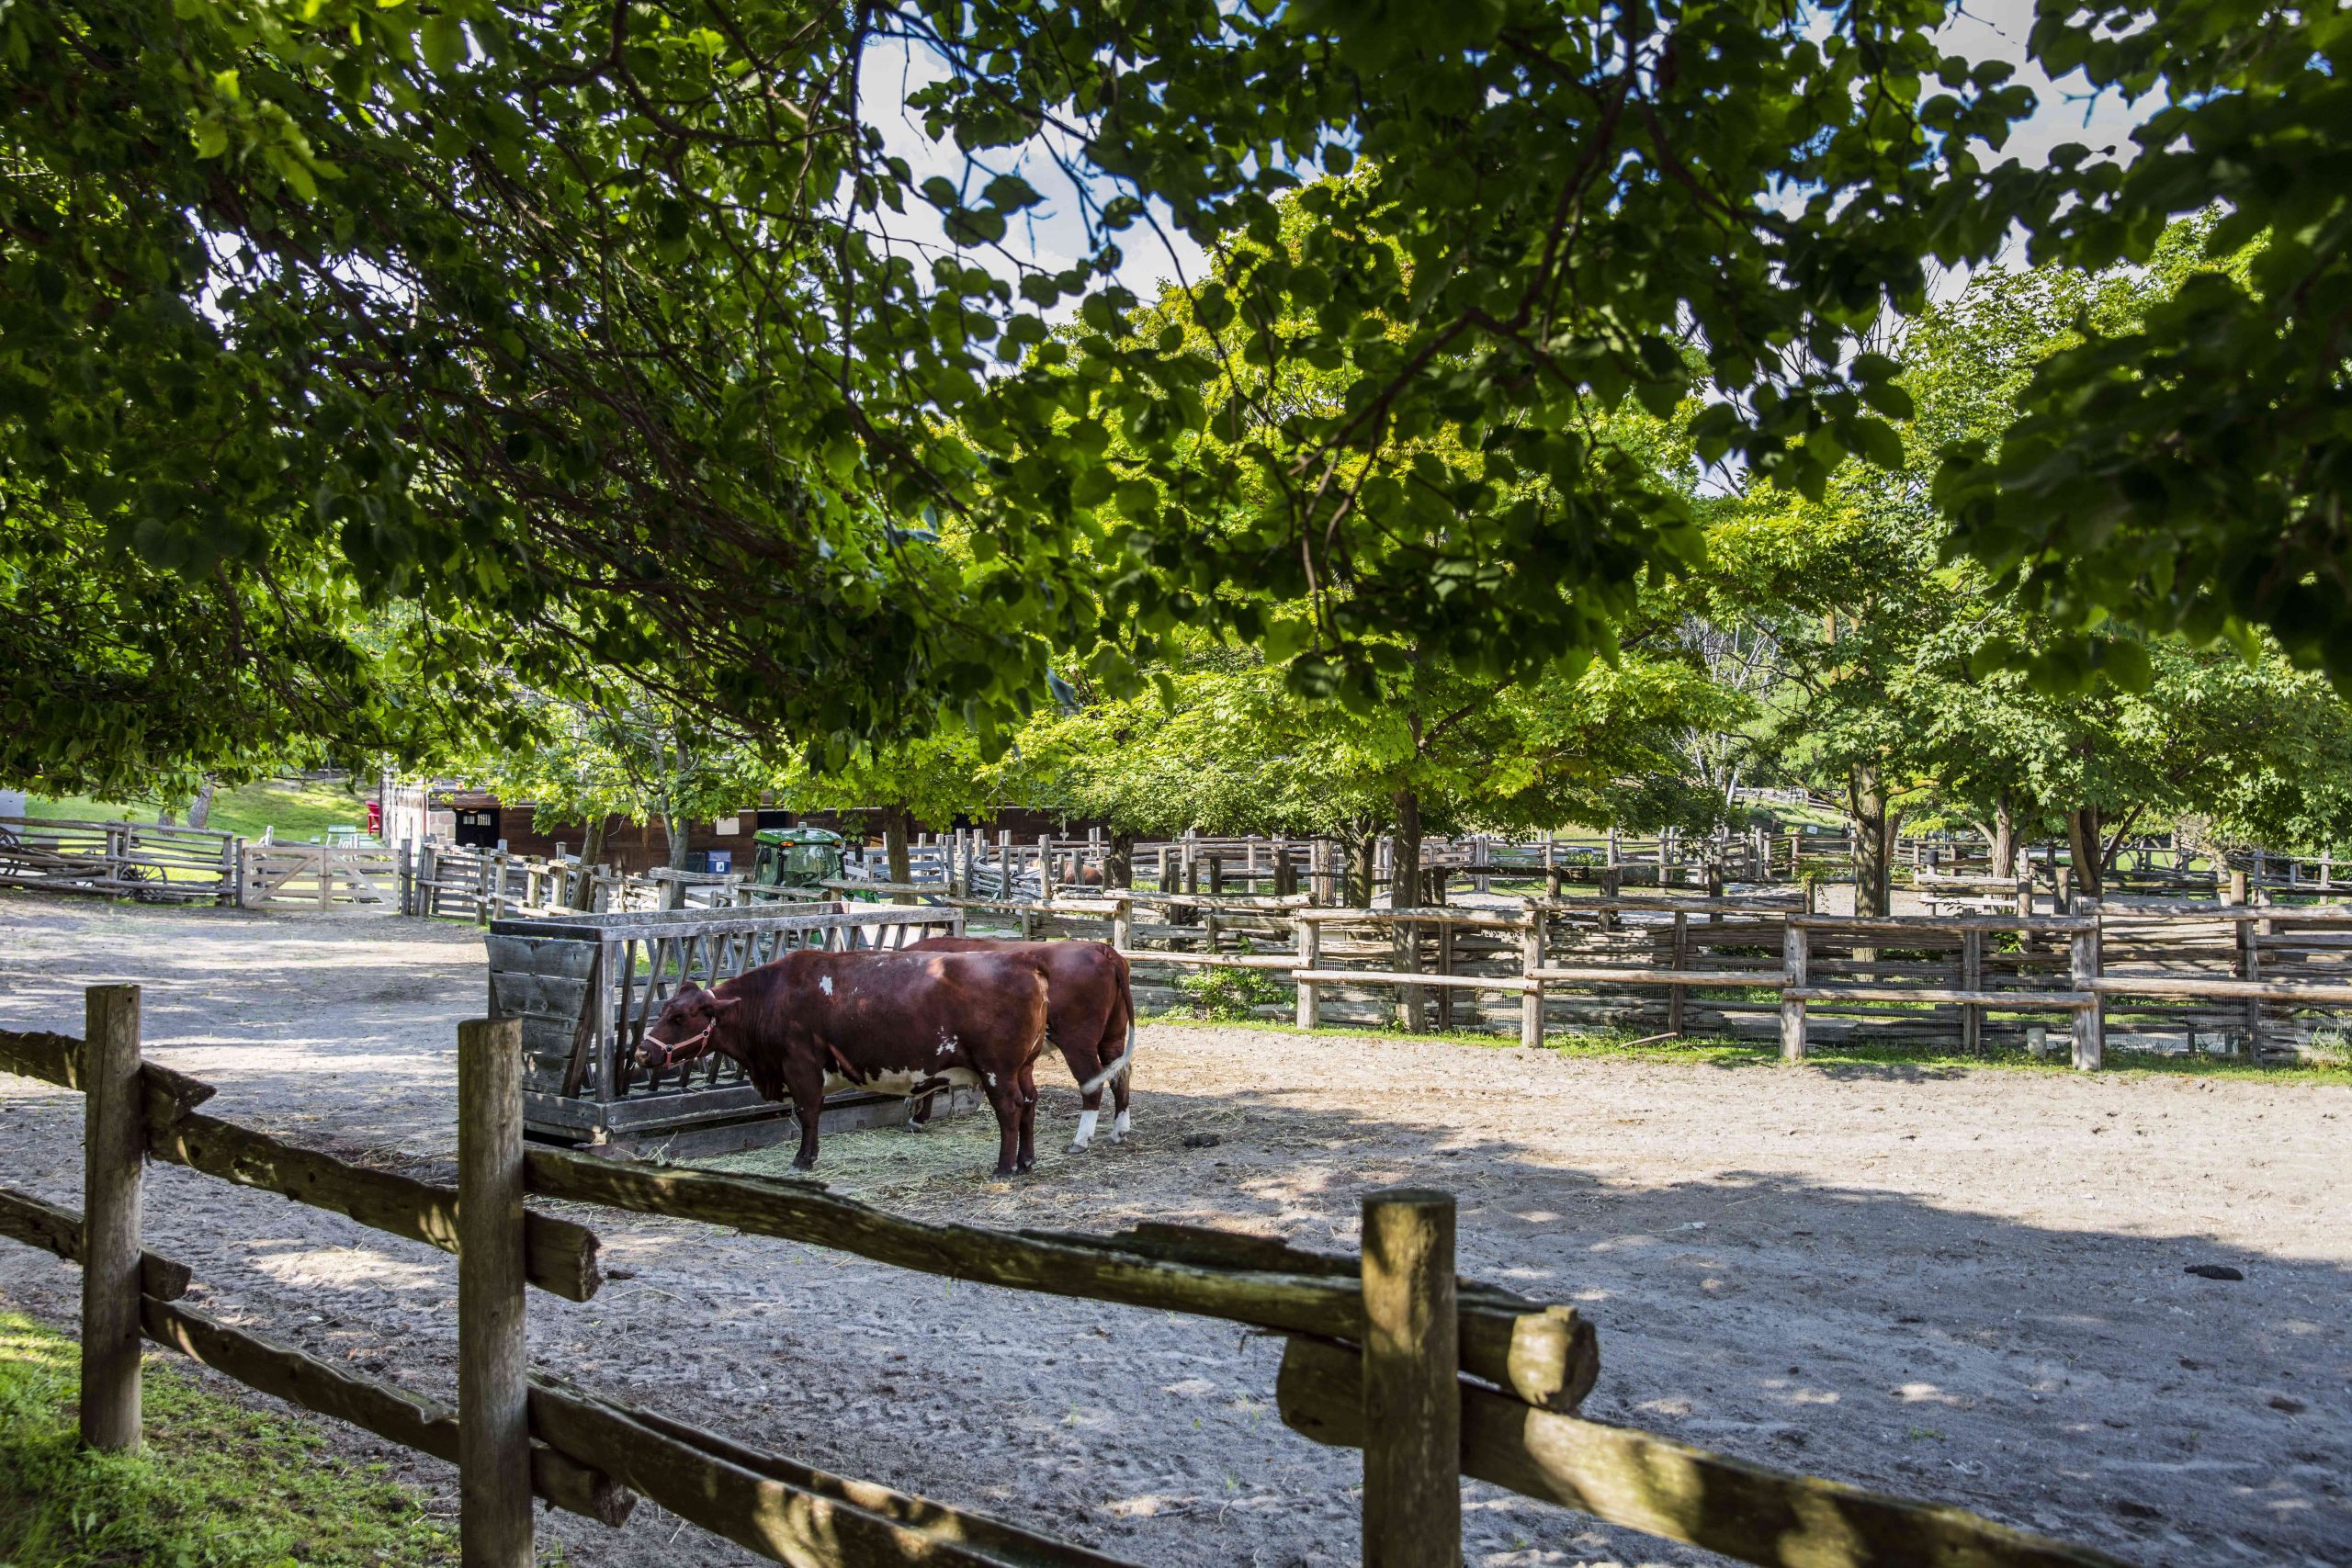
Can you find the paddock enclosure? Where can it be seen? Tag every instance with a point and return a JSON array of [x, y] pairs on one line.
[[1964, 1286]]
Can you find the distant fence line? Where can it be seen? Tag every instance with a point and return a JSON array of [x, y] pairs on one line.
[[1433, 1377], [438, 878]]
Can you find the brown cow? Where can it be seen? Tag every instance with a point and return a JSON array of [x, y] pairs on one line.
[[1090, 1016], [816, 1021]]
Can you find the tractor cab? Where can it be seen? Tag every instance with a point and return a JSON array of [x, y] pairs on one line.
[[795, 857]]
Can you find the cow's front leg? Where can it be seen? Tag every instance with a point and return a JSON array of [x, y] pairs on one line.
[[1026, 1082], [1004, 1099], [806, 1080]]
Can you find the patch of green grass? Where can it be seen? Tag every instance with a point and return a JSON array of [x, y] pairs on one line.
[[1742, 1053], [299, 810], [216, 1485]]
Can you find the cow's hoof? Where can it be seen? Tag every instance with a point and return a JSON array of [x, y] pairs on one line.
[[804, 1165], [1004, 1170], [1080, 1146]]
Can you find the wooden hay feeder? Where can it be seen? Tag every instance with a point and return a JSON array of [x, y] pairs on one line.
[[586, 987]]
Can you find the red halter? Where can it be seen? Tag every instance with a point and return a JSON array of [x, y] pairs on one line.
[[677, 1051]]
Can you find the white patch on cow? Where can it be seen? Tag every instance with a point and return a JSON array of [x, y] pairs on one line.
[[1085, 1130], [903, 1083], [992, 1078], [825, 984], [1119, 1127], [948, 1043]]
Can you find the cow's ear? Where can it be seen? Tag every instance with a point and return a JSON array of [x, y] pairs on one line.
[[724, 1004]]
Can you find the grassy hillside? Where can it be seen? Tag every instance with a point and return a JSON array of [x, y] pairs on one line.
[[299, 810]]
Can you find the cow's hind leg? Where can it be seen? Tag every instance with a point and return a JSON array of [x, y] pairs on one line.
[[1118, 1039], [1083, 1067]]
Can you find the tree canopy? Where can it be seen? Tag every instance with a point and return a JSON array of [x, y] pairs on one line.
[[361, 360]]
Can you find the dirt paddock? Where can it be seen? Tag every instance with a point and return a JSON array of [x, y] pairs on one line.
[[1962, 1286]]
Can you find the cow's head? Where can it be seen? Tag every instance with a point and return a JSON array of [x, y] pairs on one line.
[[682, 1031]]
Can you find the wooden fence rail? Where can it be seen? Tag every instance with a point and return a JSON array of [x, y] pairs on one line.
[[1432, 1376]]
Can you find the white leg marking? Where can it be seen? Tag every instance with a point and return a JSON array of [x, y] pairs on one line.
[[1119, 1127], [1085, 1130]]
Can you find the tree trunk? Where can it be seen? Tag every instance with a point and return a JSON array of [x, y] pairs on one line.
[[2087, 848], [591, 854], [2005, 837], [1119, 866], [895, 821], [1362, 843], [200, 810], [681, 835], [1405, 874], [1405, 893], [1874, 843]]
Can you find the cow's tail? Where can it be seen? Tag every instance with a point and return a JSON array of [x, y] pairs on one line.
[[1127, 1057]]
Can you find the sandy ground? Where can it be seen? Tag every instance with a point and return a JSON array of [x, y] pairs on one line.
[[1963, 1286]]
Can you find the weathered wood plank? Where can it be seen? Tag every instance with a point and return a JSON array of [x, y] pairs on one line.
[[552, 957], [1545, 1354], [1768, 980], [57, 1059], [1669, 1489], [774, 1507], [52, 1228], [1410, 1393], [386, 1409], [493, 1419], [513, 993], [563, 1253], [1942, 994], [683, 1450], [113, 1171]]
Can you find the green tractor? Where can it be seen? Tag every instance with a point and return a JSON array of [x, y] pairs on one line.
[[797, 857]]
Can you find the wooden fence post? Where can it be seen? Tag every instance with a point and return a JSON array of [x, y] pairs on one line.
[[1681, 958], [1310, 954], [2090, 1022], [114, 1149], [2250, 935], [1792, 962], [1412, 1398], [1405, 943], [1971, 978], [1445, 967], [1531, 1003], [1123, 925], [494, 1423], [1045, 868]]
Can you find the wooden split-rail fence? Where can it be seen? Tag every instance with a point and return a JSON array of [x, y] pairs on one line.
[[1432, 1377], [2248, 980], [136, 859], [158, 863]]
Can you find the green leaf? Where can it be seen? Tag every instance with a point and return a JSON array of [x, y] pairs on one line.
[[442, 42]]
